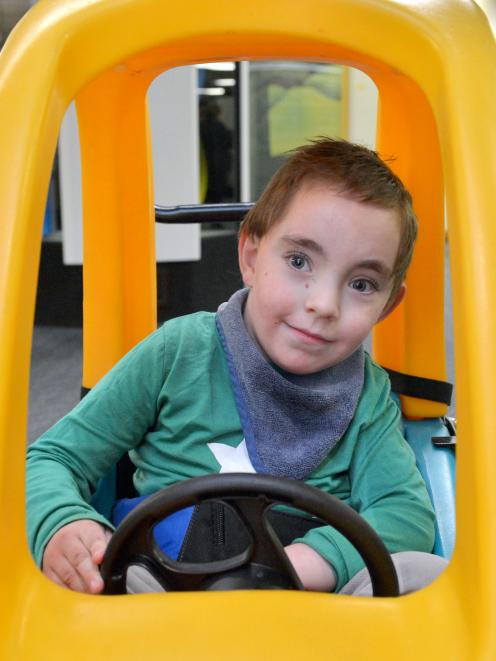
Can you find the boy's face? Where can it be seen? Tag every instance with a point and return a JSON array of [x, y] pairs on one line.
[[319, 279]]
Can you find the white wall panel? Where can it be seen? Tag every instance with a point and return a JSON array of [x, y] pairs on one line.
[[174, 124]]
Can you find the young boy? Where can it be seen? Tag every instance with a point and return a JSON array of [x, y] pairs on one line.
[[276, 382]]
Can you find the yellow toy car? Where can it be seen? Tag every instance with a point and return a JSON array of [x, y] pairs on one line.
[[434, 63]]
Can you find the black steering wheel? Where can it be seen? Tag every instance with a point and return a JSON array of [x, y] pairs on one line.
[[264, 564]]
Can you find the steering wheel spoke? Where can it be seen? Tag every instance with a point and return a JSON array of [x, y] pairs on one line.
[[267, 549]]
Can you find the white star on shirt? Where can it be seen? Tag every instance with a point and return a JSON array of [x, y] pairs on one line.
[[232, 460]]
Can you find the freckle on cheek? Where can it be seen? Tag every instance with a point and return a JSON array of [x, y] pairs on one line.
[[307, 285]]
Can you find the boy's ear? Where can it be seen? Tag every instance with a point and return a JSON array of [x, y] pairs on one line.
[[247, 256], [394, 302]]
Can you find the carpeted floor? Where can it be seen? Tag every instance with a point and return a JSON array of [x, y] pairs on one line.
[[55, 376]]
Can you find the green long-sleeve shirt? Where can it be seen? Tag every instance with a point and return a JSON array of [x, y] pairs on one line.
[[170, 403]]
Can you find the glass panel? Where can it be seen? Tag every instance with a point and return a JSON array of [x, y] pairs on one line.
[[292, 103], [218, 111]]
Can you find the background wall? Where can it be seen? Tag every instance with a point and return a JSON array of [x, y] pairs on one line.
[[10, 12]]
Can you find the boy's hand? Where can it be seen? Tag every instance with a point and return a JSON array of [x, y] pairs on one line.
[[73, 554], [313, 571]]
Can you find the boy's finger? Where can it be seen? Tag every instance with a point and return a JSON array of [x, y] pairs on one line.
[[97, 550], [66, 575], [96, 583], [88, 571], [96, 540], [79, 557], [53, 576]]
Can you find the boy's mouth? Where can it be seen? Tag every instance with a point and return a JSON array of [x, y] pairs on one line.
[[308, 336]]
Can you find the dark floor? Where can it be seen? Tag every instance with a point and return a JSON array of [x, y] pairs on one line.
[[55, 376]]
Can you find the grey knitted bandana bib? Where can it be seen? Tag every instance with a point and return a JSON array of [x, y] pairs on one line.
[[291, 422]]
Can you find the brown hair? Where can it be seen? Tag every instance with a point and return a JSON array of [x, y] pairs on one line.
[[355, 172]]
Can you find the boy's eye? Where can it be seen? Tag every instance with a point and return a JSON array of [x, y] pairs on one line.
[[363, 286], [298, 262]]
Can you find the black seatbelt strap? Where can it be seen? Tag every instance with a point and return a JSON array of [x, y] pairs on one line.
[[420, 387]]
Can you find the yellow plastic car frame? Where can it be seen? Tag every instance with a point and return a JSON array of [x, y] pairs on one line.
[[434, 63]]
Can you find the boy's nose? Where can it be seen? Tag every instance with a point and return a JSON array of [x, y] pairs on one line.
[[323, 300]]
